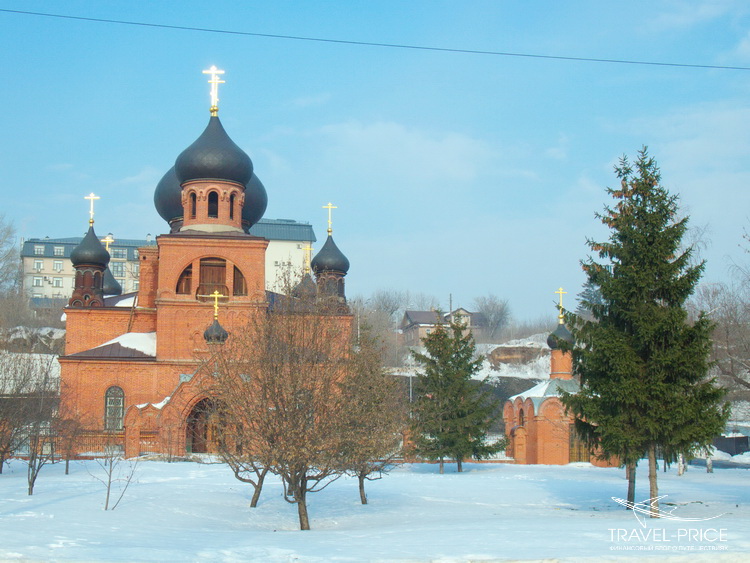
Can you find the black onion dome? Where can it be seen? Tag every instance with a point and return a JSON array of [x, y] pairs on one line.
[[111, 285], [168, 196], [215, 334], [90, 251], [256, 201], [561, 333], [214, 156], [330, 258]]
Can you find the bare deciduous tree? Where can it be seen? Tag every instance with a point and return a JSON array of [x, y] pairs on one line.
[[28, 398], [42, 400], [10, 257], [117, 471], [376, 408], [279, 381], [497, 313]]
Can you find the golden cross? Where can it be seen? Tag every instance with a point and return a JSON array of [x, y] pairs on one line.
[[329, 207], [216, 295], [109, 239], [91, 197], [214, 82], [308, 253], [560, 292]]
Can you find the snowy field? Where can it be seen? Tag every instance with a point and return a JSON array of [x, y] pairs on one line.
[[492, 512]]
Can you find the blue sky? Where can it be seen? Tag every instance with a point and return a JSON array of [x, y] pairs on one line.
[[453, 173]]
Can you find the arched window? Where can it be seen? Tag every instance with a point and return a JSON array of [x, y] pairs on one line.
[[114, 408], [213, 204], [185, 283], [521, 418], [240, 286], [232, 199], [193, 203], [213, 276]]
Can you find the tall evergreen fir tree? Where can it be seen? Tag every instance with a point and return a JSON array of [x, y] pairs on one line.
[[452, 414], [643, 366]]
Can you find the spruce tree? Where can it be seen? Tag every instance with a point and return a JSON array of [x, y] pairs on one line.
[[452, 414], [643, 366]]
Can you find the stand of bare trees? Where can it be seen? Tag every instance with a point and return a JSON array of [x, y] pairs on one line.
[[376, 406], [280, 388], [28, 402], [497, 313]]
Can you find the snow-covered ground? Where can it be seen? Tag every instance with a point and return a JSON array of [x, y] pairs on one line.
[[196, 512]]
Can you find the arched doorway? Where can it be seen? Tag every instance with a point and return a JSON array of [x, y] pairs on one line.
[[518, 437], [202, 428]]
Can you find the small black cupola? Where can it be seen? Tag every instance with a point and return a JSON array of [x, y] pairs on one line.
[[215, 333], [330, 267], [330, 259], [561, 333], [90, 260], [90, 251]]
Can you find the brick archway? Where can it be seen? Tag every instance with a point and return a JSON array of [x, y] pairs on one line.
[[202, 428]]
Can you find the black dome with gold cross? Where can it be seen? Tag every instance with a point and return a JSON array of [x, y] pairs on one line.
[[212, 156]]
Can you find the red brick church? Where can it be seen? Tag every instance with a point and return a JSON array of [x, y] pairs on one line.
[[538, 428], [130, 373]]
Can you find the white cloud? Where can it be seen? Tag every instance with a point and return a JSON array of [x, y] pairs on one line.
[[148, 175], [742, 49], [682, 14], [560, 150], [61, 167], [310, 101], [412, 157]]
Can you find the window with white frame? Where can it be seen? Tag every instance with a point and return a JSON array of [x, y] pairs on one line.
[[59, 251], [119, 253], [57, 282], [38, 250], [114, 408], [57, 265], [38, 265], [118, 269], [37, 281]]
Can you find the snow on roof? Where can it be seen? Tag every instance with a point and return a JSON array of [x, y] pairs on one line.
[[144, 342], [162, 403], [159, 405], [126, 302], [546, 389]]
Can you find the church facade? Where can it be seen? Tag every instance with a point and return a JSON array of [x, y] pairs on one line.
[[538, 428], [130, 374]]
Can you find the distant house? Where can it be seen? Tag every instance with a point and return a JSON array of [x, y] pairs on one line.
[[416, 325]]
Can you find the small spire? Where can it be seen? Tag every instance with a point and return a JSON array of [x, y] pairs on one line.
[[329, 207], [560, 316], [214, 82], [308, 256], [91, 197]]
